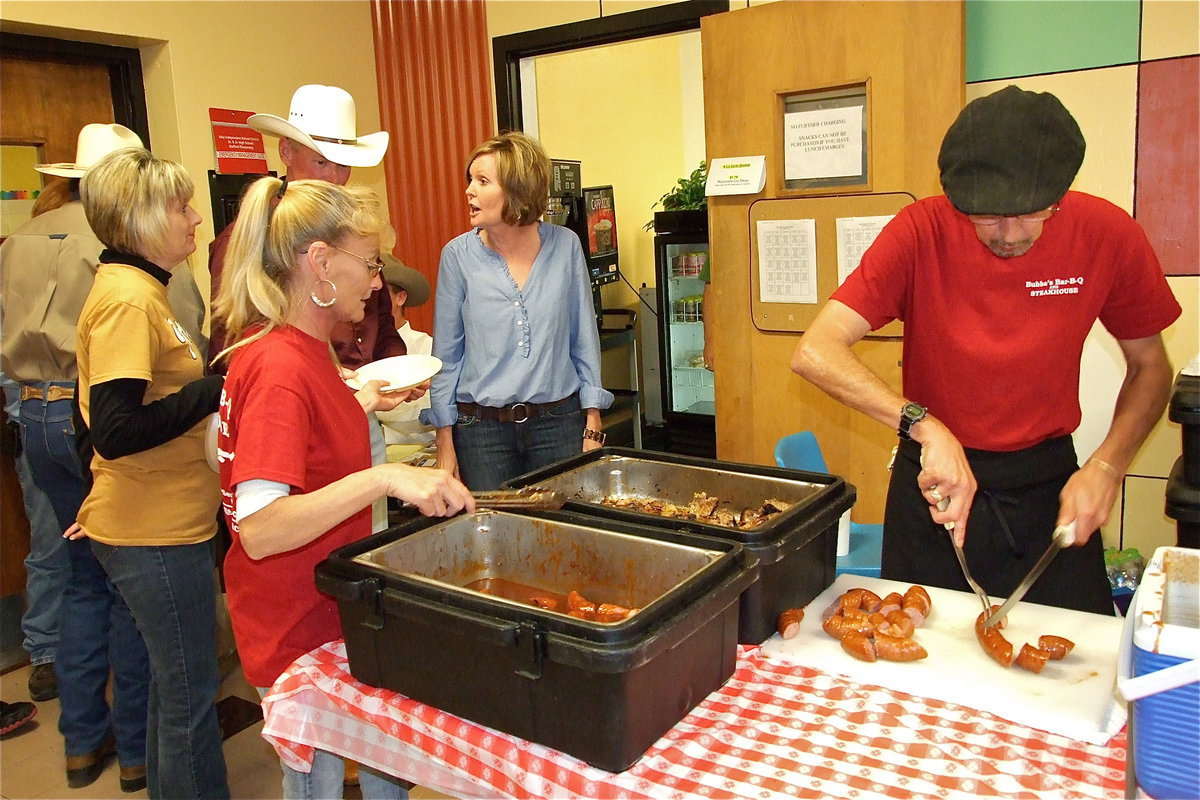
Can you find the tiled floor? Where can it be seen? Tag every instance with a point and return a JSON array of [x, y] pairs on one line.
[[32, 762]]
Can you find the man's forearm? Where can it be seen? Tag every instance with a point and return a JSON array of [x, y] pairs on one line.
[[824, 357]]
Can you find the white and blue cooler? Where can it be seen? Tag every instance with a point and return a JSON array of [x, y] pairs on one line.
[[1160, 675]]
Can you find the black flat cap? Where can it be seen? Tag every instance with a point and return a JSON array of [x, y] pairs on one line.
[[1012, 152]]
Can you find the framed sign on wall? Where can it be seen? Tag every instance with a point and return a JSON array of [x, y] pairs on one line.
[[824, 139]]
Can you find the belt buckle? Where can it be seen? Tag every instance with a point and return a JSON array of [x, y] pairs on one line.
[[524, 411]]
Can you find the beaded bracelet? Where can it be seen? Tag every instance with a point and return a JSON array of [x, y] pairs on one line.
[[1107, 467]]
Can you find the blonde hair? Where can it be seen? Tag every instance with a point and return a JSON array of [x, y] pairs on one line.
[[523, 169], [273, 228], [128, 196]]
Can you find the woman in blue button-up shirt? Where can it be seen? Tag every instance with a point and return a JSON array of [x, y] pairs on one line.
[[514, 327]]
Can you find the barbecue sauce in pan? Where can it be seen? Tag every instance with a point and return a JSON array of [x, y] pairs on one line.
[[520, 593], [572, 604]]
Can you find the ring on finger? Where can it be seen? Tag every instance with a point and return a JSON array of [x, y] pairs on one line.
[[934, 493]]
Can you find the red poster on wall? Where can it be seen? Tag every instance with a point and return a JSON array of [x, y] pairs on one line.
[[239, 147]]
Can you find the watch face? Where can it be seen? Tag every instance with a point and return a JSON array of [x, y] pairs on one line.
[[913, 411]]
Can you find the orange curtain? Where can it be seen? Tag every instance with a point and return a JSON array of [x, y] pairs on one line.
[[435, 97]]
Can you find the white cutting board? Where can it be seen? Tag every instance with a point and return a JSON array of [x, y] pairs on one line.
[[1073, 697]]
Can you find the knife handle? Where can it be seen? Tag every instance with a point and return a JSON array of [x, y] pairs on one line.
[[942, 505]]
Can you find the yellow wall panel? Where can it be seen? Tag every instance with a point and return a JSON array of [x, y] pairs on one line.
[[1103, 369], [1170, 28], [514, 16], [1144, 523], [620, 109], [1182, 341], [1104, 103]]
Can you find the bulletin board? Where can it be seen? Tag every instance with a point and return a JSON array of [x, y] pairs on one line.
[[821, 239]]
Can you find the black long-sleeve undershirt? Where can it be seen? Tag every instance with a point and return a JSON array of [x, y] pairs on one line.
[[122, 425]]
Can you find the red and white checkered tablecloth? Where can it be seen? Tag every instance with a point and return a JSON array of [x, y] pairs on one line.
[[772, 731]]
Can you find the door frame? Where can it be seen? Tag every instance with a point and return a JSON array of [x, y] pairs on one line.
[[124, 71]]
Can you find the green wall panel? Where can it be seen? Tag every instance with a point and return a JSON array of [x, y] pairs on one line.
[[1011, 38]]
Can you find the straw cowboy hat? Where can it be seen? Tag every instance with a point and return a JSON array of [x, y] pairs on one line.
[[397, 272], [95, 142], [322, 119]]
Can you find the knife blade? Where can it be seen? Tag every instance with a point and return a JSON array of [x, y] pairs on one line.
[[1063, 536]]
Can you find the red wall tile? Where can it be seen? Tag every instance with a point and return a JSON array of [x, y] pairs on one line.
[[1167, 187]]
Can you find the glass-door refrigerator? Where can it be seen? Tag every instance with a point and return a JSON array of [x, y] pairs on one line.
[[681, 258]]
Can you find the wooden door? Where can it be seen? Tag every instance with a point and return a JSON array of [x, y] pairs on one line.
[[45, 104], [909, 56]]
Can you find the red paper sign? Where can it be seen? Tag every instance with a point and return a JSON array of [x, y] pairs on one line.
[[239, 147]]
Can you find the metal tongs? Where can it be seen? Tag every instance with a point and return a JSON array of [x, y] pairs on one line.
[[1064, 535], [530, 498], [962, 560], [942, 505]]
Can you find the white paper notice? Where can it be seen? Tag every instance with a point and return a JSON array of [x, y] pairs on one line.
[[826, 143], [854, 236], [787, 261]]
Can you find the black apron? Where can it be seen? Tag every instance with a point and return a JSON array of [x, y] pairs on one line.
[[1011, 522]]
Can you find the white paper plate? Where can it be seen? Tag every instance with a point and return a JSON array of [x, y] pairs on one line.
[[400, 372], [210, 442]]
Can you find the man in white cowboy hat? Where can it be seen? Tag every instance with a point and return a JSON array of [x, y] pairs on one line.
[[319, 141], [47, 267]]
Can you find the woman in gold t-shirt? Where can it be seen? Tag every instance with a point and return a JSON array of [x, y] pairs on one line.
[[151, 512]]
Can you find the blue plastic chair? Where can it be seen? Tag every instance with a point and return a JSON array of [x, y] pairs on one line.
[[801, 451]]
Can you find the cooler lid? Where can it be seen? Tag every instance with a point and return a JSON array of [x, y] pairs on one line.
[[1166, 608]]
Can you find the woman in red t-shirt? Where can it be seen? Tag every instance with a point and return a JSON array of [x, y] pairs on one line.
[[295, 461]]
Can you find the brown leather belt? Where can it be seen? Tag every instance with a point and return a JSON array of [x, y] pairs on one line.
[[51, 394], [518, 412]]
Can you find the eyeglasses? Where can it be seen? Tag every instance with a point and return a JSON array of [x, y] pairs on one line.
[[374, 265], [996, 219]]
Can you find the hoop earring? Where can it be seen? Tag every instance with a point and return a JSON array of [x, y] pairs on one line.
[[324, 303]]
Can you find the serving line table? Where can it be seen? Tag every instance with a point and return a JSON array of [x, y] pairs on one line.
[[773, 730]]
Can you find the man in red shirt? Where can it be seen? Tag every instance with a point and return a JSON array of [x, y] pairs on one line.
[[999, 282], [319, 141]]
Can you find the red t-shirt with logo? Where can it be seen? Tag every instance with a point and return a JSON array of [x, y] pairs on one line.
[[286, 416], [992, 346]]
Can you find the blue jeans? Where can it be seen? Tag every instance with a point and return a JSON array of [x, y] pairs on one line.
[[490, 452], [48, 565], [328, 773], [170, 591], [98, 632]]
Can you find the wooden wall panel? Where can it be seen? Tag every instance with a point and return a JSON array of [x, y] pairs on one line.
[[912, 55], [432, 63]]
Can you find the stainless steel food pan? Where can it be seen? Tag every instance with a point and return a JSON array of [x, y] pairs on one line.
[[558, 556]]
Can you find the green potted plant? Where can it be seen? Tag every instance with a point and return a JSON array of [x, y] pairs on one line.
[[685, 207]]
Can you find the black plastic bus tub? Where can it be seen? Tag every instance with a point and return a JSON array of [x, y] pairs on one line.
[[1183, 506], [602, 692], [1185, 409], [796, 550]]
